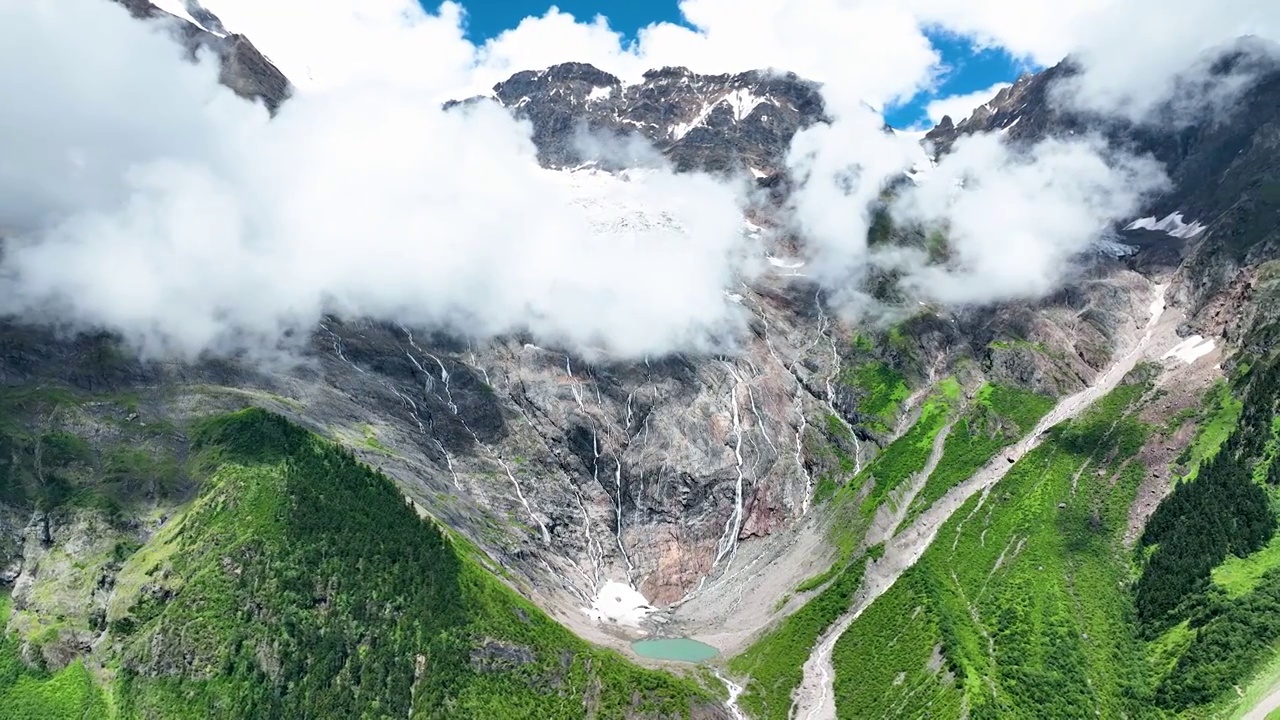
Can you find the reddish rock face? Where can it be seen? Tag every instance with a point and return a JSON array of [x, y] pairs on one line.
[[764, 512]]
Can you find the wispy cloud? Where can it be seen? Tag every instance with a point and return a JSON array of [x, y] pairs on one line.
[[960, 107]]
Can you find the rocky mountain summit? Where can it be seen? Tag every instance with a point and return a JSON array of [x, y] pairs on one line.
[[715, 123], [244, 69]]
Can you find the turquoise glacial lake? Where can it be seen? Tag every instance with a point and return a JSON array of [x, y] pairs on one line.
[[678, 649]]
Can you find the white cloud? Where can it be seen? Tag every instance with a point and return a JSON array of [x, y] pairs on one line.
[[873, 51], [151, 201], [1043, 31], [1132, 50], [133, 107], [960, 107], [841, 169], [330, 44], [1014, 219], [1143, 53], [196, 223], [870, 52]]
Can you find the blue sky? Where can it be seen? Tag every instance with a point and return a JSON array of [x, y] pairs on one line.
[[969, 70], [487, 18]]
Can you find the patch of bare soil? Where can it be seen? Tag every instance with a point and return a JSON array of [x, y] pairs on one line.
[[1178, 393]]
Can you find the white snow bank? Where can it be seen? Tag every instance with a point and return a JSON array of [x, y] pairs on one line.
[[1114, 249], [620, 604], [785, 264], [1191, 349], [1172, 225], [178, 8], [740, 102], [743, 102], [600, 93]]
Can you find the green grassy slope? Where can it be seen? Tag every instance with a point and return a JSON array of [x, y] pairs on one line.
[[775, 662], [1016, 609], [1029, 604], [772, 666], [881, 390], [995, 417], [34, 694], [300, 583]]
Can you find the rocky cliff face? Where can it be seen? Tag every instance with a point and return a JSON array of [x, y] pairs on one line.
[[244, 69], [656, 473], [718, 123]]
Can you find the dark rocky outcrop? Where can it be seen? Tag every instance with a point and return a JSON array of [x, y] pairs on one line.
[[716, 123], [244, 69]]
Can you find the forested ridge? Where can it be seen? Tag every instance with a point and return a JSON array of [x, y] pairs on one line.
[[1227, 509], [300, 583]]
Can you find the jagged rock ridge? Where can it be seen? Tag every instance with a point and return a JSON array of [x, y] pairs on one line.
[[244, 69], [718, 123]]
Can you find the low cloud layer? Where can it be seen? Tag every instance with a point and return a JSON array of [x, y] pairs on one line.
[[1014, 219], [140, 196], [151, 201], [1140, 54]]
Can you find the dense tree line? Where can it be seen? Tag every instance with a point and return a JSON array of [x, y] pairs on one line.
[[1222, 511], [1233, 636], [1260, 390]]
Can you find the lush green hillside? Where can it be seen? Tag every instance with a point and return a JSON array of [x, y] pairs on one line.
[[990, 420], [1015, 610], [1029, 604], [28, 693], [1212, 576], [300, 584], [996, 418]]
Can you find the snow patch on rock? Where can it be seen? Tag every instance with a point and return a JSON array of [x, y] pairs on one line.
[[1191, 349], [619, 604], [1172, 225], [784, 264], [178, 9]]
